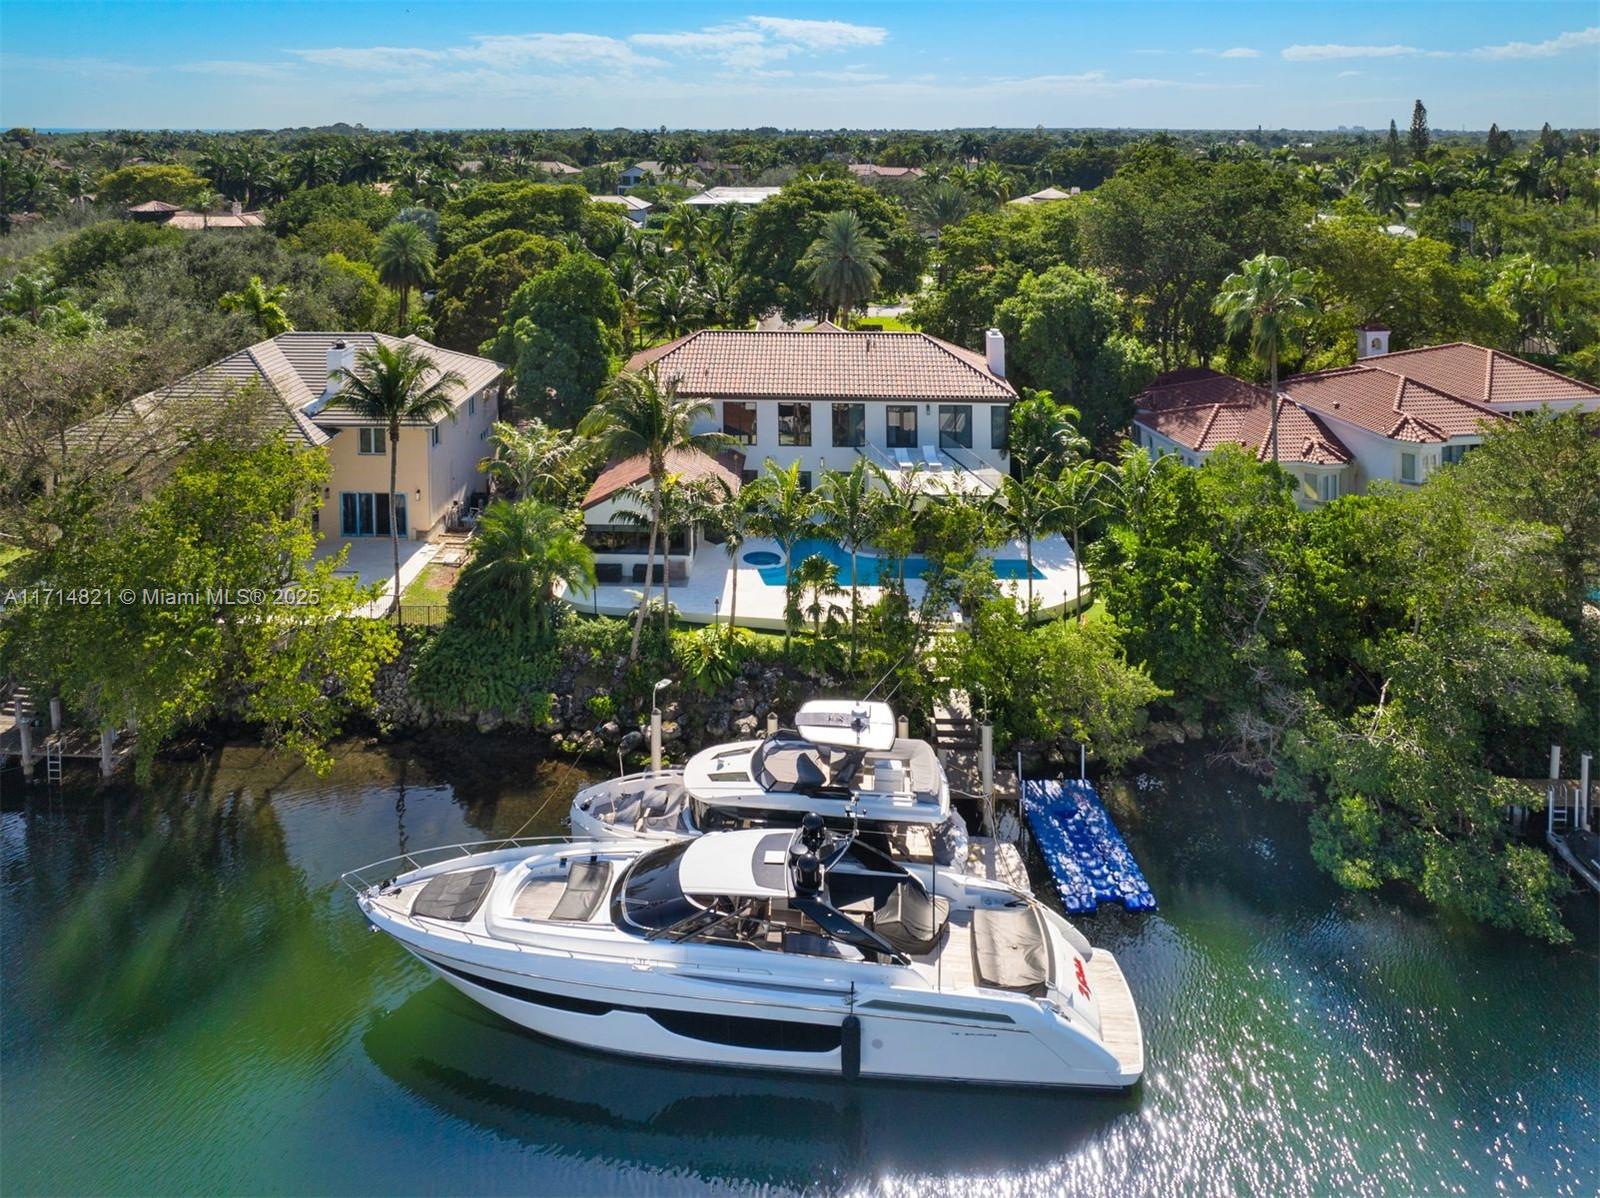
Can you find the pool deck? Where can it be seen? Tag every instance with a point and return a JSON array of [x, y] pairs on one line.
[[708, 592]]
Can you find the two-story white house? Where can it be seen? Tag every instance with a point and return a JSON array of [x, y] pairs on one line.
[[826, 398], [1393, 417]]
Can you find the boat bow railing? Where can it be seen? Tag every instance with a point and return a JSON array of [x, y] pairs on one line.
[[375, 873]]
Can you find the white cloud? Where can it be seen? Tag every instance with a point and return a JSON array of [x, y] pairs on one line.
[[1559, 44], [1348, 74], [1331, 50], [821, 35], [1235, 52], [498, 51]]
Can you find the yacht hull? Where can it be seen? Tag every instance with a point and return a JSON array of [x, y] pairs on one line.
[[692, 1021]]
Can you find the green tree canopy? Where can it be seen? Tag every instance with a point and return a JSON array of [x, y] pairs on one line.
[[1065, 333], [130, 185], [780, 230], [476, 283], [561, 337]]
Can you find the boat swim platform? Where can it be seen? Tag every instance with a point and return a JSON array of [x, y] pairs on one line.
[[1086, 855]]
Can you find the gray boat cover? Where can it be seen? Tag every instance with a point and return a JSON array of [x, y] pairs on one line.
[[455, 897], [1009, 950]]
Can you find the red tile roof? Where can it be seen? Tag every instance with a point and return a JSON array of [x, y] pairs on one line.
[[1302, 436], [1194, 385], [1487, 376], [688, 465], [728, 363], [1388, 403]]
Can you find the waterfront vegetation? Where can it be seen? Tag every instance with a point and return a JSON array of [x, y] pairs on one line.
[[1386, 661]]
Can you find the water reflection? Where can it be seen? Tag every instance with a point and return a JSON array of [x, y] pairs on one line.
[[746, 1126]]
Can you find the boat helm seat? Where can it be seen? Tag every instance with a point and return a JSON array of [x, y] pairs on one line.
[[910, 920], [587, 883]]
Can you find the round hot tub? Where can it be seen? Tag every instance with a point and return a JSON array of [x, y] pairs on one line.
[[763, 557]]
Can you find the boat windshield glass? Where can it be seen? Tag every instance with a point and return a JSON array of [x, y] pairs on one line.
[[651, 896]]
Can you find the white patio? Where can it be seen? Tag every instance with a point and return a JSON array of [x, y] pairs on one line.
[[708, 595], [370, 560]]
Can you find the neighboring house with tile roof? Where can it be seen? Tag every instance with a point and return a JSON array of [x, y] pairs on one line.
[[871, 170], [638, 173], [290, 376], [716, 197], [1394, 417], [825, 398]]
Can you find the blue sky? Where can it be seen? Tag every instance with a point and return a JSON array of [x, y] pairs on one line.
[[242, 64]]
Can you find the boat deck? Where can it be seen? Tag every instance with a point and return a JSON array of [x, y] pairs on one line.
[[1119, 1019], [951, 959]]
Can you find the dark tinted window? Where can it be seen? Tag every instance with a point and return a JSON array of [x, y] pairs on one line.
[[902, 426], [794, 424], [849, 425], [652, 897], [955, 425]]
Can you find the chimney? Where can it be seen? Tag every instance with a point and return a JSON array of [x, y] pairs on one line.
[[994, 346], [1372, 340], [340, 357]]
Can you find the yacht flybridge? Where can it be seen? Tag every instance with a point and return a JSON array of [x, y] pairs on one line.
[[792, 949], [843, 760]]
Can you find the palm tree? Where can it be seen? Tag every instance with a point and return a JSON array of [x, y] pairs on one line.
[[1043, 434], [262, 304], [780, 509], [728, 514], [394, 385], [640, 413], [1268, 298], [843, 264], [1077, 500], [672, 305], [1382, 189], [818, 578], [1027, 508], [939, 205], [523, 553], [404, 258], [850, 511], [536, 460]]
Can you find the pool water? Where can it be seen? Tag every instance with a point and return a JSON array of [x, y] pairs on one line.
[[869, 567]]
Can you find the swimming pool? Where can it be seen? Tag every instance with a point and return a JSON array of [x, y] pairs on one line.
[[870, 567]]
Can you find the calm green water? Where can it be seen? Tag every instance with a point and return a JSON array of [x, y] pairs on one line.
[[190, 1004]]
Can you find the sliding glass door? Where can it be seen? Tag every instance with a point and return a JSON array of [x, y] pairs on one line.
[[366, 514]]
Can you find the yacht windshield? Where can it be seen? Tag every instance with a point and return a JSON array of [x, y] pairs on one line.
[[651, 897]]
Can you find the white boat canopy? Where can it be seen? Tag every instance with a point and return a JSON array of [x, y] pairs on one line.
[[849, 723]]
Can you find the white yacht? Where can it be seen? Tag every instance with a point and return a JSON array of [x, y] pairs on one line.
[[842, 760], [797, 949]]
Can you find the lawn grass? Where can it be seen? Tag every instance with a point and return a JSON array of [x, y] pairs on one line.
[[424, 600], [881, 324]]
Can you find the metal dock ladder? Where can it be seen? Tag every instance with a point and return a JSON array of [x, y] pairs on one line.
[[52, 761]]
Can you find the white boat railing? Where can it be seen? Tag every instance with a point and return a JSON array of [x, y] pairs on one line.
[[375, 873]]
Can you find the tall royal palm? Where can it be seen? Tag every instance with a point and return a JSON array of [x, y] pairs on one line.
[[843, 264], [780, 508], [1027, 508], [850, 509], [525, 551], [1269, 298], [640, 413], [404, 258], [394, 385], [1078, 497]]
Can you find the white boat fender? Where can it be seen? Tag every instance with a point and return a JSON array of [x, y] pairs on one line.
[[850, 1047]]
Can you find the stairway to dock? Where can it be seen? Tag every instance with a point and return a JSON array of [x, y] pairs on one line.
[[1080, 844]]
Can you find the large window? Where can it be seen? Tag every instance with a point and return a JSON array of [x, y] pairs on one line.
[[902, 426], [999, 426], [739, 421], [1328, 487], [1408, 467], [1451, 455], [366, 514], [794, 424], [372, 440], [955, 425], [849, 425]]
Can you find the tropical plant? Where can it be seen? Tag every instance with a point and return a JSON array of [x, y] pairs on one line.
[[780, 508], [729, 517], [1043, 435], [850, 511], [394, 385], [525, 551], [843, 264], [533, 459], [640, 413], [1078, 498], [1268, 298], [815, 582], [1027, 508], [404, 258], [262, 304]]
